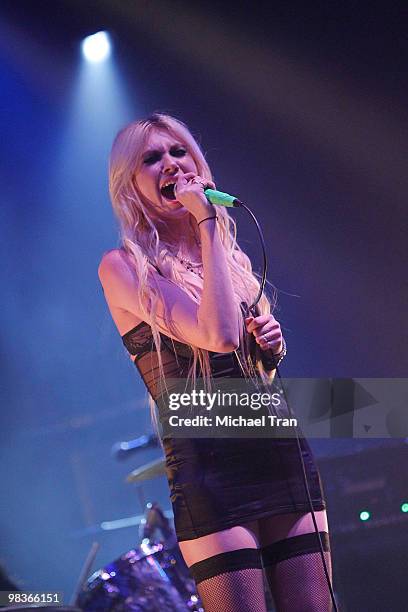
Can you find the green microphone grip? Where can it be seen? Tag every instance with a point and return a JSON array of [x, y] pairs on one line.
[[221, 199]]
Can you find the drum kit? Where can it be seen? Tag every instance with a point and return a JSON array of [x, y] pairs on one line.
[[150, 578]]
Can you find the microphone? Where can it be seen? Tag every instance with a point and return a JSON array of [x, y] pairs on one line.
[[221, 199]]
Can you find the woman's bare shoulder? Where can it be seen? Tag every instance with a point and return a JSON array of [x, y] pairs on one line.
[[118, 280], [114, 257], [114, 262]]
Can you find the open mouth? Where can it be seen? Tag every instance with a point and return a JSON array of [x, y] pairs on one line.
[[167, 191]]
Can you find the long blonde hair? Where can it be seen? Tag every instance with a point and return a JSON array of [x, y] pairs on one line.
[[140, 239]]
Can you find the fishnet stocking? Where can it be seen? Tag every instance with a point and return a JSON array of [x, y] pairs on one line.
[[236, 591], [299, 584]]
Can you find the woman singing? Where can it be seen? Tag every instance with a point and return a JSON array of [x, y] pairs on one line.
[[174, 289]]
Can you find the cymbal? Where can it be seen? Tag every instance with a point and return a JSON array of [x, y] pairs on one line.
[[150, 470]]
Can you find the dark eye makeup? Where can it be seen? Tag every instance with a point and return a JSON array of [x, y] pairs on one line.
[[178, 151], [155, 156], [152, 158]]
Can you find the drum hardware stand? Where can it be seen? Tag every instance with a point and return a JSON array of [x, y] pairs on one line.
[[156, 520], [84, 574]]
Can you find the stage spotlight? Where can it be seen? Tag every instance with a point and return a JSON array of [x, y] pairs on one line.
[[97, 47], [404, 507]]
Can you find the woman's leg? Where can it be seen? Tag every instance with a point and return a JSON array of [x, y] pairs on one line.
[[293, 563], [227, 568]]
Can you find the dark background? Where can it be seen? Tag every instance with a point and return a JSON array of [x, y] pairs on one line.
[[302, 112]]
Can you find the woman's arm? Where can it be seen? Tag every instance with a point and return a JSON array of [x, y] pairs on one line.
[[203, 325], [214, 323], [218, 310]]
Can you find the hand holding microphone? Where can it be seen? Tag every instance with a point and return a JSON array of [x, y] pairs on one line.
[[189, 186], [189, 191]]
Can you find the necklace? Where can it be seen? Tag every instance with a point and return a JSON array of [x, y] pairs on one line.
[[195, 267]]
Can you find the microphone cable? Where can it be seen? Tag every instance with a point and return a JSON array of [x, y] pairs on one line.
[[237, 203]]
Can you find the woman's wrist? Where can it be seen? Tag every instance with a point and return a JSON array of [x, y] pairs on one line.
[[271, 360], [210, 217]]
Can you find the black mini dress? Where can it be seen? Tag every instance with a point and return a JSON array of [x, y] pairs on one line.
[[218, 483]]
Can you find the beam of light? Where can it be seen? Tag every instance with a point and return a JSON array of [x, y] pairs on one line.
[[97, 47], [86, 139]]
